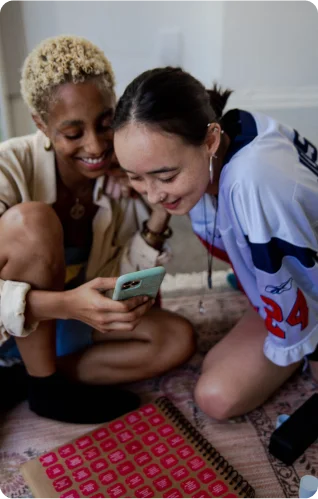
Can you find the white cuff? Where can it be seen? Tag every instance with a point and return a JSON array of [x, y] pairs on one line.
[[12, 308], [140, 255]]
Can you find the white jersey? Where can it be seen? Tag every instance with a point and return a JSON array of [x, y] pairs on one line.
[[267, 225]]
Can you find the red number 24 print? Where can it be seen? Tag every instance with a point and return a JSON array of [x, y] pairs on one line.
[[297, 315]]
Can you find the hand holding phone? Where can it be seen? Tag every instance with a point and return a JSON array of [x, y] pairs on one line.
[[142, 283], [88, 303]]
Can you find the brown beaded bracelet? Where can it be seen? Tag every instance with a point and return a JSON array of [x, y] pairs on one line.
[[155, 239]]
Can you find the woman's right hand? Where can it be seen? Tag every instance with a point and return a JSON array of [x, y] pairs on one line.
[[87, 304]]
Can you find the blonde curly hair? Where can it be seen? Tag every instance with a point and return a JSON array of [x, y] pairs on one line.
[[59, 60]]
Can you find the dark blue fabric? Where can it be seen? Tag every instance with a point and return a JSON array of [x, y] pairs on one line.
[[241, 127], [268, 257]]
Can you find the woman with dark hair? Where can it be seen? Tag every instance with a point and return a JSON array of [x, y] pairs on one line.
[[250, 187]]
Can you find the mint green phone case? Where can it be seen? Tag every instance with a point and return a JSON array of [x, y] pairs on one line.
[[144, 282]]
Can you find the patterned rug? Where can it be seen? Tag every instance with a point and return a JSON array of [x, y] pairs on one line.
[[243, 441]]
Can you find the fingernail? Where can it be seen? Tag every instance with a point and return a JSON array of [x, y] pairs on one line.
[[146, 298]]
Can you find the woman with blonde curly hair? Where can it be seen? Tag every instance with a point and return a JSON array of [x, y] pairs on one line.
[[64, 239]]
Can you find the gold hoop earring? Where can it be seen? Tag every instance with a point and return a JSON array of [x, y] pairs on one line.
[[48, 145]]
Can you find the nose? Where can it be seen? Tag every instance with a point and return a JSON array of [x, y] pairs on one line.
[[153, 193], [95, 144]]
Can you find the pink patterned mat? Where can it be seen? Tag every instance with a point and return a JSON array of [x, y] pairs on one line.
[[242, 441]]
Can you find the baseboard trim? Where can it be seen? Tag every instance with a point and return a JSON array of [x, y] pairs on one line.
[[273, 98], [194, 283]]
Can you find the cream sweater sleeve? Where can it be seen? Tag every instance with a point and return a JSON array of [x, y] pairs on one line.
[[12, 307], [16, 172], [118, 247]]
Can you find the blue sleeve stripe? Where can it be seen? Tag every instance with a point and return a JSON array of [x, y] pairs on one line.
[[268, 257]]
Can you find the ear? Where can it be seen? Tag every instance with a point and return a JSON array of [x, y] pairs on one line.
[[40, 123], [213, 138]]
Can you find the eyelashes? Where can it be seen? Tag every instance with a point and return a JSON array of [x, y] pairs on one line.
[[72, 137], [103, 128], [165, 181]]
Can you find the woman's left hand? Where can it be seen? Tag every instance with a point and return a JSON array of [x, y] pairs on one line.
[[118, 185], [159, 217]]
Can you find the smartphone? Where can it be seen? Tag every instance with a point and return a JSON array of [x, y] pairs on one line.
[[142, 283]]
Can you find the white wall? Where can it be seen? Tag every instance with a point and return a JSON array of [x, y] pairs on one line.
[[266, 51], [128, 32], [270, 44], [270, 57], [5, 114], [14, 52]]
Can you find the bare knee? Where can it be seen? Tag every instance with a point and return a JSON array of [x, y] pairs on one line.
[[214, 399], [31, 217], [32, 249], [170, 340], [174, 341]]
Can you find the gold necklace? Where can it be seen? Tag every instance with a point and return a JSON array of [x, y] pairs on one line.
[[78, 210]]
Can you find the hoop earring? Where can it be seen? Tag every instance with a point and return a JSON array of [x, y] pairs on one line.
[[48, 145], [211, 168]]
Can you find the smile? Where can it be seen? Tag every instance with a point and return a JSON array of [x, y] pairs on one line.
[[94, 161], [92, 164], [172, 206]]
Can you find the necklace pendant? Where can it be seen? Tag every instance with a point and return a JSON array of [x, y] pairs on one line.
[[201, 307], [209, 281], [77, 211]]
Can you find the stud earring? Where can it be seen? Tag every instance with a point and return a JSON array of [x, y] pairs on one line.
[[215, 129]]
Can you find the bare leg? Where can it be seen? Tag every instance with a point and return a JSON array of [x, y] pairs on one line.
[[160, 342], [236, 376], [32, 252], [314, 369]]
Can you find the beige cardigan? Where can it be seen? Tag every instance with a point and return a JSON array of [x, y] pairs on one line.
[[27, 173]]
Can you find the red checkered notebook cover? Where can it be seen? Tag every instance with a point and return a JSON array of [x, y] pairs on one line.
[[151, 452]]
